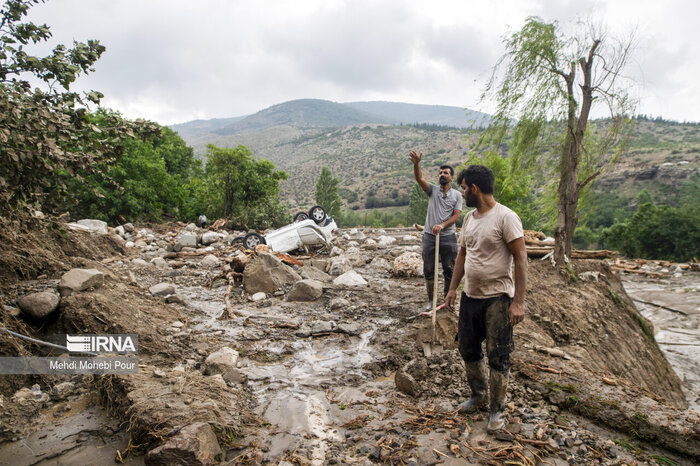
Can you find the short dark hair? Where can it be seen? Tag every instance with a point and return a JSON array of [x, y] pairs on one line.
[[480, 175], [452, 170]]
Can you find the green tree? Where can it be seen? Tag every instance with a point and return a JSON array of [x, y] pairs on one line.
[[548, 81], [513, 187], [417, 205], [46, 132], [243, 189], [327, 193]]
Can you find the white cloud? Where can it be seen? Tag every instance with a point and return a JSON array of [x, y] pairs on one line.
[[178, 60]]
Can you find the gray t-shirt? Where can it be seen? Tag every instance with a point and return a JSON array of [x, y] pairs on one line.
[[441, 207]]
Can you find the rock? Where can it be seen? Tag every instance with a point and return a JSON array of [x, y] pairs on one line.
[[176, 299], [305, 290], [62, 390], [177, 324], [80, 280], [129, 244], [339, 265], [95, 226], [408, 264], [233, 376], [405, 383], [138, 262], [39, 305], [191, 227], [259, 296], [591, 276], [336, 251], [380, 263], [370, 244], [120, 231], [356, 234], [266, 273], [320, 327], [303, 332], [159, 262], [210, 261], [350, 278], [210, 237], [220, 361], [339, 303], [27, 396], [162, 289], [187, 240], [408, 238], [312, 273], [128, 227], [195, 444], [384, 241], [350, 329]]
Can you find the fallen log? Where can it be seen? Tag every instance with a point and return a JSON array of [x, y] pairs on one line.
[[536, 252], [649, 273]]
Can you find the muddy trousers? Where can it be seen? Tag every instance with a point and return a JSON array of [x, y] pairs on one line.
[[448, 254], [486, 319]]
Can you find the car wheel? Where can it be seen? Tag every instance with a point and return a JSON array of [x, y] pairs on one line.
[[317, 214], [300, 216], [252, 239], [237, 240]]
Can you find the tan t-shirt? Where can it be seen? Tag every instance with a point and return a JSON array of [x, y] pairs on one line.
[[488, 269]]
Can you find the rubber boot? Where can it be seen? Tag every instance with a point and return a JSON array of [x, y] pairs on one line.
[[498, 384], [476, 376], [429, 284]]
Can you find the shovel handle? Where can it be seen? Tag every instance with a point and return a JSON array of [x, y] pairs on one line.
[[435, 283]]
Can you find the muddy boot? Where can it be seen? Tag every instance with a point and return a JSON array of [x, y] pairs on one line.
[[498, 384], [429, 288], [476, 376]]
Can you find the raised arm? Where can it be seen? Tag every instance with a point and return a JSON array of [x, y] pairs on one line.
[[417, 173]]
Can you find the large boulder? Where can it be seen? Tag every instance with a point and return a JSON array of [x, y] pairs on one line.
[[384, 241], [95, 226], [408, 264], [80, 280], [267, 273], [221, 361], [339, 265], [210, 237], [162, 289], [187, 239], [210, 261], [39, 305], [305, 290], [350, 278], [313, 273], [195, 444]]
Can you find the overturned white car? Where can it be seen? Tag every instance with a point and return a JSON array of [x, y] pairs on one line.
[[312, 229]]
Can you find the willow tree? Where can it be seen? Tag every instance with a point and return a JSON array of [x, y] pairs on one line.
[[545, 87]]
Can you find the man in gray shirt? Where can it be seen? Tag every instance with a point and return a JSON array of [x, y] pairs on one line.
[[444, 208]]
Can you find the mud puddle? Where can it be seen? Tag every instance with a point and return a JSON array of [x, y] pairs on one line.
[[83, 436], [673, 305]]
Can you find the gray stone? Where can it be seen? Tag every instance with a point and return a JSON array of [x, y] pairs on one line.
[[175, 299], [305, 290], [95, 226], [350, 278], [128, 227], [259, 296], [408, 264], [159, 262], [312, 273], [340, 265], [339, 303], [195, 444], [380, 263], [210, 261], [162, 289], [39, 305], [370, 244], [191, 227], [138, 262], [120, 231], [233, 376], [187, 240], [220, 361], [303, 332], [384, 241], [266, 273], [350, 328], [336, 251], [80, 280], [62, 390], [210, 237], [405, 383], [321, 327]]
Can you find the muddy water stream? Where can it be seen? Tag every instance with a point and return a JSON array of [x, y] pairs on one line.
[[673, 305]]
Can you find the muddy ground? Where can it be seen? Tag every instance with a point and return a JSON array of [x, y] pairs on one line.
[[316, 381]]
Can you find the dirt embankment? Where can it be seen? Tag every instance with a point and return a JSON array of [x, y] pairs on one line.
[[584, 349]]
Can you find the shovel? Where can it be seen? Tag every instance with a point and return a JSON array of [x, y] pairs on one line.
[[433, 347]]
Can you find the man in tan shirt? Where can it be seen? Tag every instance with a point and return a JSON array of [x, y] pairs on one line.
[[493, 259]]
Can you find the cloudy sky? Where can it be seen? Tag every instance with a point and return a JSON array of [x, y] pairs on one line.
[[177, 60]]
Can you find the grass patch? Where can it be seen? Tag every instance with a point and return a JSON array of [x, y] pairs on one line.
[[663, 460], [557, 386], [632, 447]]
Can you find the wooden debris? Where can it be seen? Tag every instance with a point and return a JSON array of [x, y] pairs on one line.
[[219, 224], [553, 352], [536, 252], [287, 259]]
